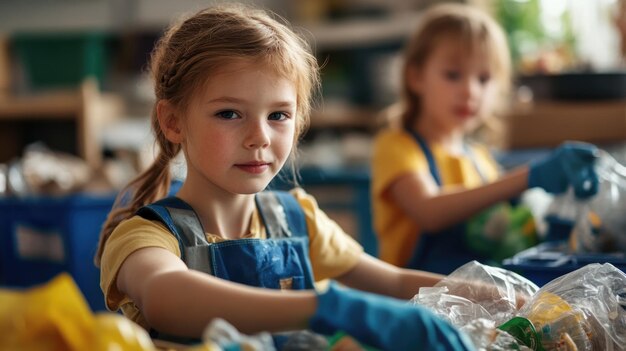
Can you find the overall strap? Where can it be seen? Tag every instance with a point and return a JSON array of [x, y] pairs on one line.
[[472, 156], [432, 166], [282, 215], [183, 222]]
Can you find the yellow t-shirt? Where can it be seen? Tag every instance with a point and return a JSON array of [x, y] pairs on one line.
[[396, 153], [331, 250]]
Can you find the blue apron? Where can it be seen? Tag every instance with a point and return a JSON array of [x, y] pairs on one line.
[[444, 251], [279, 262]]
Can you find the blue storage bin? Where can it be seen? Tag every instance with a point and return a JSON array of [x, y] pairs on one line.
[[559, 229], [43, 236], [550, 260]]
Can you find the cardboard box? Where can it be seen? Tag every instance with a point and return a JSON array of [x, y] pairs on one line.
[[547, 124]]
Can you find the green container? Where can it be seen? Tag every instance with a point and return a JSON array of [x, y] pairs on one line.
[[61, 59]]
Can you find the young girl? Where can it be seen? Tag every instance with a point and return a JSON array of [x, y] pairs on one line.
[[427, 179], [234, 89]]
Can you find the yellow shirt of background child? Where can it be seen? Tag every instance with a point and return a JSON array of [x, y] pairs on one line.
[[396, 153]]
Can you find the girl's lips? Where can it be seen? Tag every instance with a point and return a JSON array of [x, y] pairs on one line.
[[254, 168], [464, 112]]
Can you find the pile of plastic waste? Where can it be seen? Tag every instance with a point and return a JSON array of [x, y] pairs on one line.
[[584, 310]]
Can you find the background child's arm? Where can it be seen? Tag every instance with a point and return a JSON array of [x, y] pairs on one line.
[[379, 277], [182, 302], [434, 208]]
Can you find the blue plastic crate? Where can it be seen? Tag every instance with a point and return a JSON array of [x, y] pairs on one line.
[[43, 236], [550, 260]]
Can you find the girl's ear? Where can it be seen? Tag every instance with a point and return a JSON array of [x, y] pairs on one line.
[[414, 79], [169, 122]]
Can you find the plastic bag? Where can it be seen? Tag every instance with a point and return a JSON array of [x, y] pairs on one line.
[[476, 298], [584, 310], [602, 225], [501, 231], [598, 224], [55, 316], [476, 291], [227, 336]]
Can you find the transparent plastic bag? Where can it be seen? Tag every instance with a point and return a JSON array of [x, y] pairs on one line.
[[583, 310], [225, 335], [476, 298], [476, 291], [599, 223], [601, 227]]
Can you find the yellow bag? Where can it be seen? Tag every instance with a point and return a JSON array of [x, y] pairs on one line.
[[55, 316]]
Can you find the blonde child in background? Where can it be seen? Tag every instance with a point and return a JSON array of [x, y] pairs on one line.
[[234, 88], [428, 180]]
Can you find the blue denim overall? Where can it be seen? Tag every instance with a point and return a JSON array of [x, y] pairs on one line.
[[444, 251], [279, 262]]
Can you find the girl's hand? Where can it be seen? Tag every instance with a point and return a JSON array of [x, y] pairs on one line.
[[383, 322], [572, 164]]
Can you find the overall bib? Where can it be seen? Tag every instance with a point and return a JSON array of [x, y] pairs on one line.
[[281, 261], [444, 251]]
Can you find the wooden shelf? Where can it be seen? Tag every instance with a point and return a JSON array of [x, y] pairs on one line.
[[48, 105], [549, 123], [58, 116], [361, 32], [346, 117]]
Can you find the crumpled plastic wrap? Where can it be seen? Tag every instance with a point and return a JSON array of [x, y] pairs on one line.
[[585, 308], [476, 291], [602, 225], [485, 336], [599, 223], [227, 336]]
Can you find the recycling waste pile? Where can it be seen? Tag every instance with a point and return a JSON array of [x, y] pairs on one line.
[[584, 310], [580, 232], [580, 311], [599, 224]]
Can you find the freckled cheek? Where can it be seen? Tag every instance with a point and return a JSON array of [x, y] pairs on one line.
[[214, 146]]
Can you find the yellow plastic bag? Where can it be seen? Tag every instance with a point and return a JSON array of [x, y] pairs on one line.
[[55, 316]]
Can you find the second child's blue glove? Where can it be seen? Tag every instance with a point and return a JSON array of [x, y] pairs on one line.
[[570, 164], [384, 322]]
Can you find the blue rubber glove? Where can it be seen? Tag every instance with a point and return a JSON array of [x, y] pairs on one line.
[[383, 322], [570, 164]]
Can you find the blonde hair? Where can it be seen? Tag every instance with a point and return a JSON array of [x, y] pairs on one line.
[[182, 61], [470, 26]]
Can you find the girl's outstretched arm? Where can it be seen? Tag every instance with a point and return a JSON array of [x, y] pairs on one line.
[[435, 209], [374, 275], [180, 301]]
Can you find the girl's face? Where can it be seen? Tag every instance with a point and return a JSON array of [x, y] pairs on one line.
[[455, 88], [239, 129]]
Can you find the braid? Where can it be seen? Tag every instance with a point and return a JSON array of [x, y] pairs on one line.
[[149, 186]]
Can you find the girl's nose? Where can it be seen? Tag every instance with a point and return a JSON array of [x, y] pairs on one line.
[[471, 88], [257, 135]]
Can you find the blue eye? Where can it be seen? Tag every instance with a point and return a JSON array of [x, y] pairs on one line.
[[277, 116], [227, 114]]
